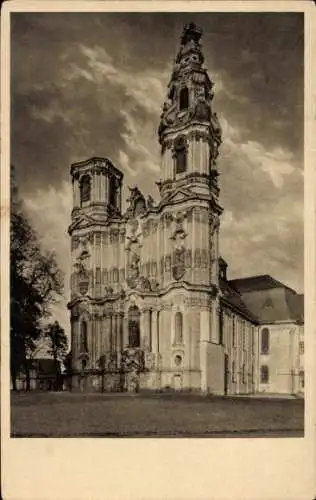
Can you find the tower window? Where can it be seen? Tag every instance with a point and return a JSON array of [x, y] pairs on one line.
[[85, 189], [178, 328], [184, 99], [180, 148], [113, 190], [265, 341]]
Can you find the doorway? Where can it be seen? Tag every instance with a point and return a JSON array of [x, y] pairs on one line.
[[134, 327]]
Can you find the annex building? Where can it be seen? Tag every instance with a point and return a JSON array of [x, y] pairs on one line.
[[151, 304]]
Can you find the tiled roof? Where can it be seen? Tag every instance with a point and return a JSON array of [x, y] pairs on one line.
[[270, 300], [233, 298], [260, 282]]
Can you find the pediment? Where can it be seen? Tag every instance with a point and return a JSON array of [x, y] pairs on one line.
[[178, 196], [81, 223]]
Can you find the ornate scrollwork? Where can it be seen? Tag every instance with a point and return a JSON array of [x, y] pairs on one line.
[[178, 264], [136, 201]]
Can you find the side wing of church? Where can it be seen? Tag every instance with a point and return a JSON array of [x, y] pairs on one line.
[[151, 306]]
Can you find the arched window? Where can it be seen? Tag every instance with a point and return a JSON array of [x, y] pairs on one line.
[[97, 275], [233, 372], [264, 374], [84, 337], [112, 192], [180, 148], [115, 275], [85, 189], [184, 99], [178, 328], [265, 341]]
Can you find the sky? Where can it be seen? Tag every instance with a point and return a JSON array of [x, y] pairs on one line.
[[93, 84]]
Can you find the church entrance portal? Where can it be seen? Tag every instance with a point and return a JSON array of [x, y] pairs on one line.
[[134, 327]]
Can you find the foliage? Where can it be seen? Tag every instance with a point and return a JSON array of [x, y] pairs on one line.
[[57, 341], [35, 283]]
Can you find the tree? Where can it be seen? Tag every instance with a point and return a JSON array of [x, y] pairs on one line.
[[57, 347], [35, 283]]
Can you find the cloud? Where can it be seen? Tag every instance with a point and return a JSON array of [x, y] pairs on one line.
[[49, 210], [262, 191], [87, 99]]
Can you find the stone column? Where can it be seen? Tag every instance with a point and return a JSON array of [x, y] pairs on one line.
[[115, 332], [125, 332], [111, 333], [107, 333], [145, 329], [119, 196], [74, 340], [204, 342], [142, 328], [106, 189], [120, 342], [76, 191], [92, 344], [154, 329]]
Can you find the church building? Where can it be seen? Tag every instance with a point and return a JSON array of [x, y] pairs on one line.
[[151, 305]]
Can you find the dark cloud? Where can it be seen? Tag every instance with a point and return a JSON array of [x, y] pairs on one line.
[[88, 84]]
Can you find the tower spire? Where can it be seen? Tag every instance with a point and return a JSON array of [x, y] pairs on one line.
[[189, 128]]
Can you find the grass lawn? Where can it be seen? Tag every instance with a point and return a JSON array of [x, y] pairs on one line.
[[49, 414]]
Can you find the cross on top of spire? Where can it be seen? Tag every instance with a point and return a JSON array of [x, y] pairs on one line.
[[191, 32]]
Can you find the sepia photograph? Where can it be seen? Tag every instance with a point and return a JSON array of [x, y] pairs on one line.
[[158, 250], [157, 224]]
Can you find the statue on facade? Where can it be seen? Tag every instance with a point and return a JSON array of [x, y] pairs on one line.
[[136, 201], [150, 202]]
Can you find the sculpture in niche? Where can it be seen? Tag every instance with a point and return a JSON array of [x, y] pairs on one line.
[[144, 284], [178, 264], [134, 234], [137, 204], [167, 263], [150, 201], [108, 291], [180, 152], [216, 126], [133, 270], [178, 233], [178, 360], [199, 93]]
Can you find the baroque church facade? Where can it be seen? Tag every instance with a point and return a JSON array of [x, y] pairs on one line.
[[151, 306]]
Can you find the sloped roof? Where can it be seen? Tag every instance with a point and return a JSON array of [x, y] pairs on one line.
[[233, 298], [255, 283], [270, 300]]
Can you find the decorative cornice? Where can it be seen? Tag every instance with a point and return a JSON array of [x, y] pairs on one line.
[[103, 164]]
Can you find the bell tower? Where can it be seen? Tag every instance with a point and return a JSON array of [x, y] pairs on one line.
[[190, 137], [189, 131]]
